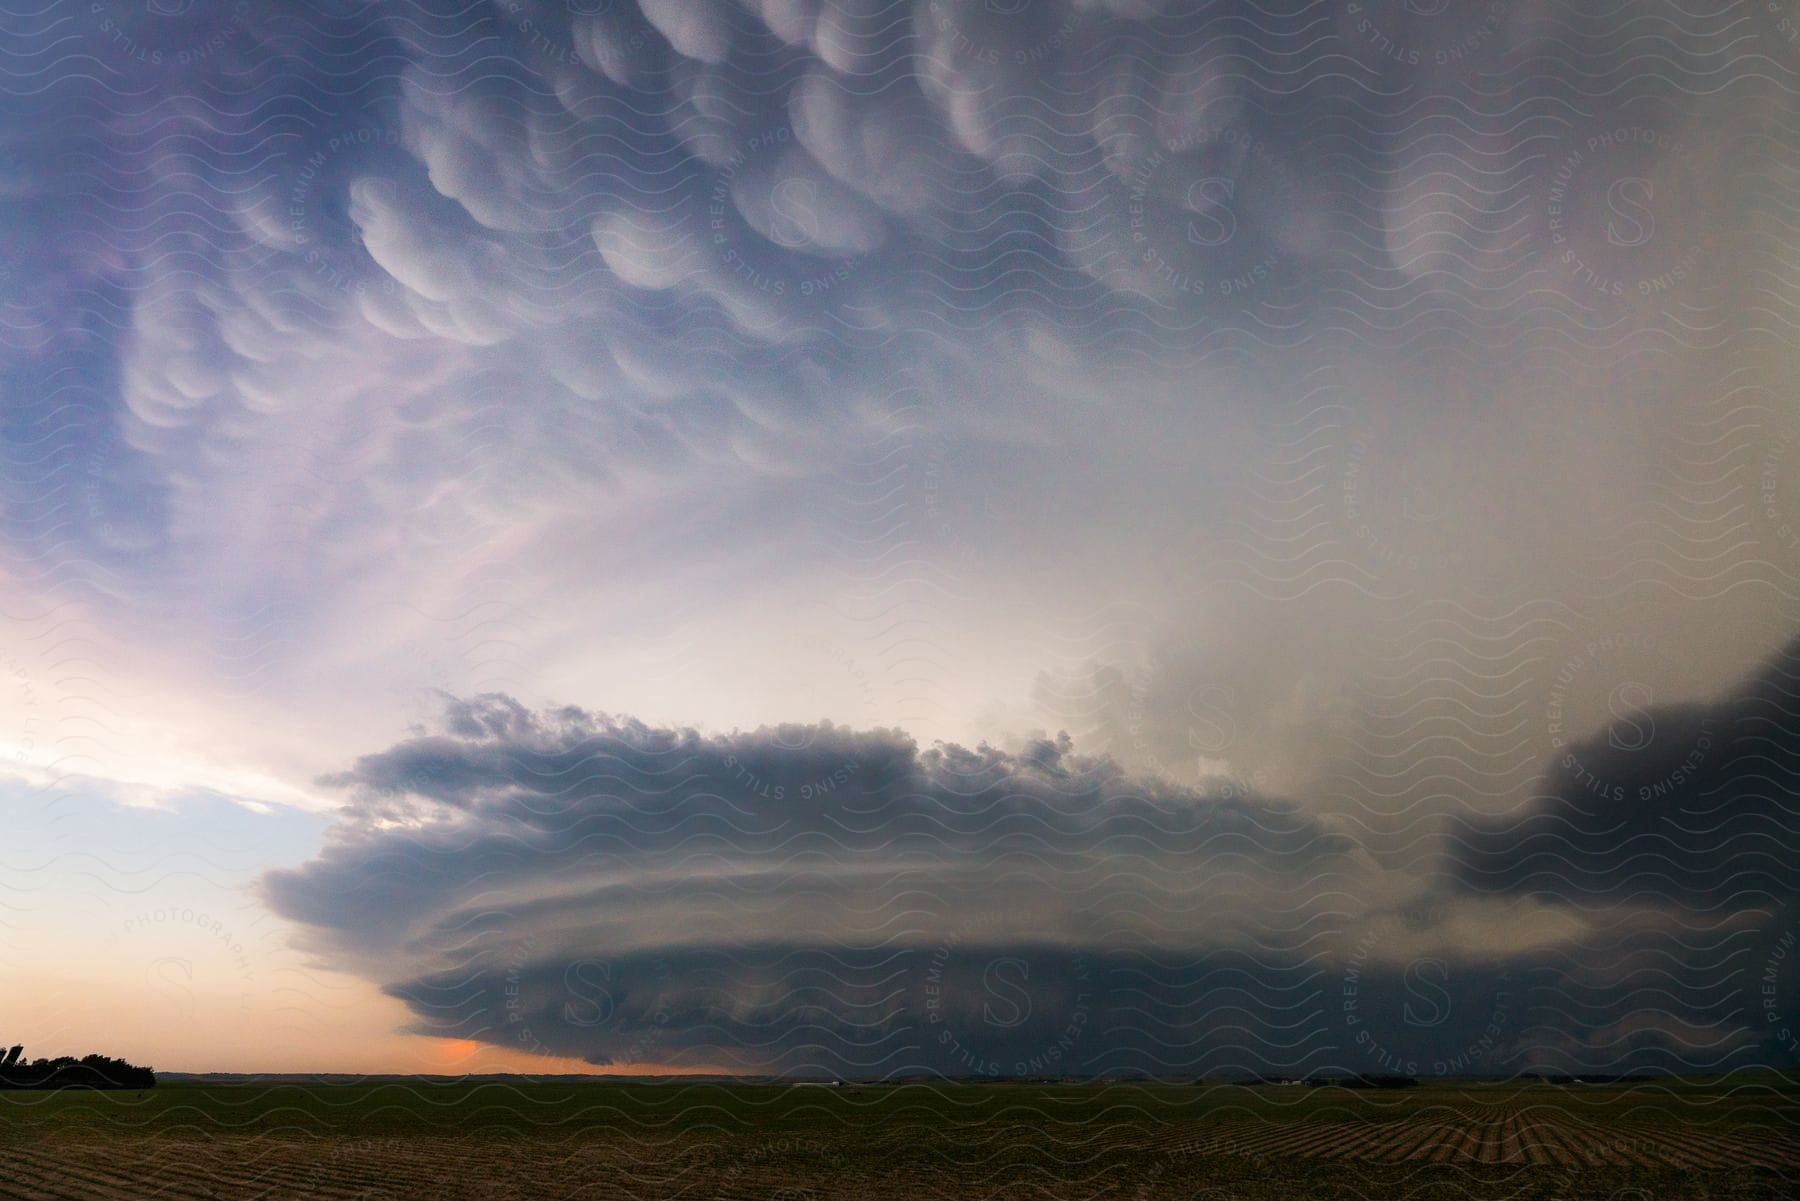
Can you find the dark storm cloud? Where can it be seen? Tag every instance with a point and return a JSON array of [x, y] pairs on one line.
[[960, 1009], [803, 895], [1691, 805], [503, 792], [817, 899], [1675, 831], [1649, 1003]]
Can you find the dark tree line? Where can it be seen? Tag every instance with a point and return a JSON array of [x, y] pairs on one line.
[[65, 1071]]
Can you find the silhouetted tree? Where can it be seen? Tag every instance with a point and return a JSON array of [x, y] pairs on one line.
[[65, 1071]]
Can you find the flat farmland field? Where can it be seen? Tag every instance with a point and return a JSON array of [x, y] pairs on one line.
[[1718, 1140]]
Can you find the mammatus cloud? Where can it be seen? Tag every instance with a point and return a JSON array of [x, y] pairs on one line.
[[769, 200], [361, 275]]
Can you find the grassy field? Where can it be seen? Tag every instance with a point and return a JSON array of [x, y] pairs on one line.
[[1716, 1140]]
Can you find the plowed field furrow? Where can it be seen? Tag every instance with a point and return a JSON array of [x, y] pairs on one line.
[[1456, 1141], [1494, 1141], [1556, 1138], [1253, 1139], [1744, 1153], [190, 1177], [1648, 1147], [1535, 1147], [1322, 1140], [337, 1181], [1304, 1141], [1354, 1140], [1678, 1155], [1431, 1146], [1408, 1140], [1682, 1153], [1002, 1159], [205, 1173], [1443, 1148], [1316, 1140], [1448, 1146], [1554, 1132], [1529, 1151], [1740, 1152], [1397, 1139], [31, 1191], [1775, 1153], [1706, 1153], [1268, 1136], [1557, 1134], [196, 1182], [1231, 1145], [1377, 1142], [1582, 1146], [1417, 1144], [1734, 1151], [188, 1174], [31, 1183], [1503, 1140], [83, 1175]]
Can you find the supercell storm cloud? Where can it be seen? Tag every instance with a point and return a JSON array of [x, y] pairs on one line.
[[873, 536], [799, 897]]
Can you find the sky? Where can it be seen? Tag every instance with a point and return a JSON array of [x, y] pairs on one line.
[[878, 537]]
